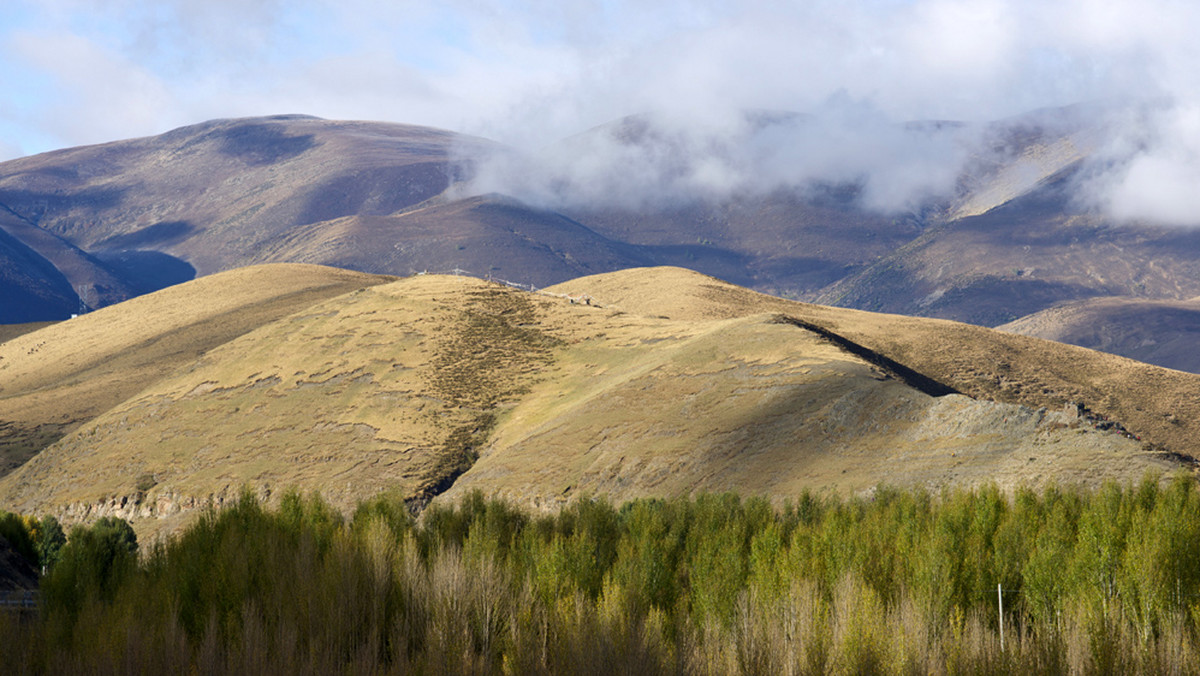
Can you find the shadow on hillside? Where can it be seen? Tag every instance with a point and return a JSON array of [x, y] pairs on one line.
[[264, 143], [147, 271], [159, 234]]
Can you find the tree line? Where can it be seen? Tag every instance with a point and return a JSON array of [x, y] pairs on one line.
[[905, 581]]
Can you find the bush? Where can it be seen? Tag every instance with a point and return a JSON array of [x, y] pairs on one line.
[[15, 530]]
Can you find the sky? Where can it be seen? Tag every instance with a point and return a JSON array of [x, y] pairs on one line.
[[530, 72]]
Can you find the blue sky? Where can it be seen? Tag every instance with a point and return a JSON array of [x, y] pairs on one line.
[[88, 71]]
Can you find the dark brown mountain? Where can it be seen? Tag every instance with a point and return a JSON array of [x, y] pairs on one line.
[[128, 217]]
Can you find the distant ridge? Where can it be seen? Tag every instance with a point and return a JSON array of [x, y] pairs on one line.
[[98, 224]]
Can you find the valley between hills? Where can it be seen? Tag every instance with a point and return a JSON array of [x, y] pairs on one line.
[[644, 382]]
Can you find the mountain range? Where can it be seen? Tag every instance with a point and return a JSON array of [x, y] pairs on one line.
[[83, 228]]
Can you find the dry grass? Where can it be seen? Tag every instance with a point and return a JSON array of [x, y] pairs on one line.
[[1160, 405], [668, 383], [10, 331], [54, 379], [386, 387]]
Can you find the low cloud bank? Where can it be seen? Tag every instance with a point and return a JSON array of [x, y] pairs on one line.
[[660, 160], [1140, 159], [1148, 169], [531, 73]]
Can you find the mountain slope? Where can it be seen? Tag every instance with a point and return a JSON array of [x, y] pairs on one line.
[[55, 378], [210, 192], [1160, 332], [1011, 235], [287, 189], [485, 236], [643, 382], [31, 288], [1160, 405], [1022, 257]]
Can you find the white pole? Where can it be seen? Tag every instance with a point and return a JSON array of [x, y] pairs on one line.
[[1000, 603]]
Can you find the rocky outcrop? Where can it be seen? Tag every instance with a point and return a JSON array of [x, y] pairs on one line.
[[158, 504]]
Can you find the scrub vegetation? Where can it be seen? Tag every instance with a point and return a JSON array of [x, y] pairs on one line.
[[904, 582]]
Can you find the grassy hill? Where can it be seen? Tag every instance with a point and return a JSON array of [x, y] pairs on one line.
[[654, 381], [1161, 405], [55, 378]]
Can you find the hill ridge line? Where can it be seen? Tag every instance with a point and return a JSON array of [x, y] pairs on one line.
[[911, 377]]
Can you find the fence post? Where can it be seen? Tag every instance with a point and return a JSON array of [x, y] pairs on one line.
[[1000, 604]]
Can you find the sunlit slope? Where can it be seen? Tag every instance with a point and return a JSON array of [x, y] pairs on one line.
[[1162, 406], [663, 382], [388, 387], [57, 377], [761, 406], [1024, 151]]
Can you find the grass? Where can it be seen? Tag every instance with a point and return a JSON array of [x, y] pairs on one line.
[[669, 383], [55, 379], [979, 362]]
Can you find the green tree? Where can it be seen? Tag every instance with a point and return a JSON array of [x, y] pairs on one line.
[[93, 564], [15, 530], [51, 540]]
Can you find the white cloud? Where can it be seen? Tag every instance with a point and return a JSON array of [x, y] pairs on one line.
[[530, 72], [1152, 168], [661, 159], [101, 95]]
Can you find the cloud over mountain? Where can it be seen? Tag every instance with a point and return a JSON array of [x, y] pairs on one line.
[[529, 73]]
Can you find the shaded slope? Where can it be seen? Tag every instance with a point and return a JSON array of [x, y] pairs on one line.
[[55, 378], [31, 288], [92, 282], [1161, 332], [487, 236]]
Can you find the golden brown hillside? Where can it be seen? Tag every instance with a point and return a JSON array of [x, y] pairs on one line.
[[645, 382], [55, 378], [1159, 405]]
